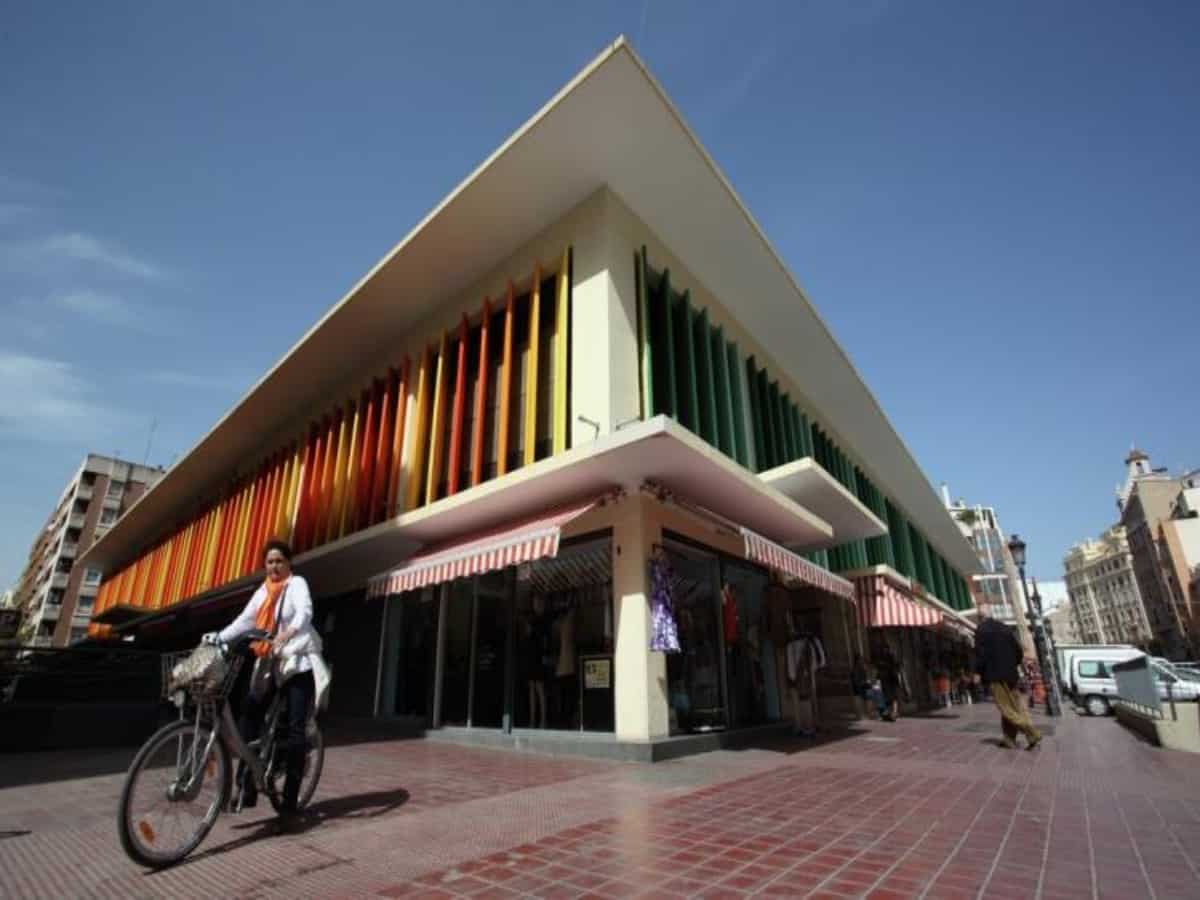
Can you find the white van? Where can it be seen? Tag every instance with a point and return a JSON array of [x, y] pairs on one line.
[[1065, 653], [1087, 673], [1093, 684]]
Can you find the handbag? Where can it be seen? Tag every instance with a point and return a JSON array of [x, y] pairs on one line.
[[263, 673]]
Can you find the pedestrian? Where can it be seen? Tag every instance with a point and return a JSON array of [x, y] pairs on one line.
[[941, 687], [860, 687], [889, 682], [966, 687], [998, 658]]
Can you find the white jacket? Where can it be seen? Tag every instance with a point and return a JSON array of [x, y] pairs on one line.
[[302, 652]]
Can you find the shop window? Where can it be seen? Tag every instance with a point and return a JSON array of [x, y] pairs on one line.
[[563, 648]]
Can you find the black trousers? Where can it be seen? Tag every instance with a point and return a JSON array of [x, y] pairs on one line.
[[298, 694]]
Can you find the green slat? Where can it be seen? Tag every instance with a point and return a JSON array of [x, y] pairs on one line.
[[645, 343], [741, 438], [725, 426], [671, 406], [806, 436], [776, 424], [766, 459], [706, 377], [789, 433], [689, 400], [756, 418]]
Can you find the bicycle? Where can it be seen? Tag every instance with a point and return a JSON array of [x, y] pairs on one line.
[[184, 770]]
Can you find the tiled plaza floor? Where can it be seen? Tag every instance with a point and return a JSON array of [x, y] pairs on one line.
[[926, 807]]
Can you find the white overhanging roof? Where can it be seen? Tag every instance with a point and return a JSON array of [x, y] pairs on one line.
[[611, 125], [806, 482]]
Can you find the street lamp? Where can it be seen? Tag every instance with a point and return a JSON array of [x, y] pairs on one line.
[[1016, 547]]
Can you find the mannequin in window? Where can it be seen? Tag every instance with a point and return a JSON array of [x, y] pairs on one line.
[[564, 671], [535, 660], [805, 657]]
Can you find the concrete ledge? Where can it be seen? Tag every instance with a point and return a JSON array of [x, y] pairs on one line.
[[594, 745], [1177, 727]]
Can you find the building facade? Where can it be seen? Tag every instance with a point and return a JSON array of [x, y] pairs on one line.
[[57, 596], [578, 454], [1061, 623], [1104, 600], [997, 586], [1147, 503]]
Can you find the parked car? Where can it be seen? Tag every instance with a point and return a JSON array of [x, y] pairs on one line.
[[1089, 677], [1093, 684]]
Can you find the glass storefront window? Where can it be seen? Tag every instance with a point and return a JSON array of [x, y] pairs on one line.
[[694, 675]]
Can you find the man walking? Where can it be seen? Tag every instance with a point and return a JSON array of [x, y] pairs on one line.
[[998, 657]]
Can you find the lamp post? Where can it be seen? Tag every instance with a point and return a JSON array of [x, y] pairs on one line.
[[1016, 547]]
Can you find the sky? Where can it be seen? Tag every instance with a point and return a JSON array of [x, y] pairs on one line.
[[995, 207]]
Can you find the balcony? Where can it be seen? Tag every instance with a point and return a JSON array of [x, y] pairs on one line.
[[75, 520], [42, 640], [51, 612], [59, 580], [84, 492], [69, 550]]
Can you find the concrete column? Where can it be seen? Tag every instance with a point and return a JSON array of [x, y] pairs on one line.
[[604, 368], [641, 676]]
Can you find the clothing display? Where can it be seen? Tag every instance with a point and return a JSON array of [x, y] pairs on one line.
[[805, 656], [664, 632], [729, 615]]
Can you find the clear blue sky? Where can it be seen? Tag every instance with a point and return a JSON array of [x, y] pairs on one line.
[[995, 206]]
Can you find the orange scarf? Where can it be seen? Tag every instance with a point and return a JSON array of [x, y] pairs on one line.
[[265, 620]]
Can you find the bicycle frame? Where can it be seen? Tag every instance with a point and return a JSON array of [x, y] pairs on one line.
[[226, 730]]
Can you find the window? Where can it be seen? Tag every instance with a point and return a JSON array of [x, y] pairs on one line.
[[1091, 668], [115, 489], [77, 634], [84, 603], [91, 576], [108, 516]]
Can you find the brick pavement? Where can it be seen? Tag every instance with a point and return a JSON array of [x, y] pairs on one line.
[[926, 807]]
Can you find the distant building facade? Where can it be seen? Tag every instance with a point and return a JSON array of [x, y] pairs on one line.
[[1061, 623], [56, 596], [1104, 602], [997, 591], [1158, 512]]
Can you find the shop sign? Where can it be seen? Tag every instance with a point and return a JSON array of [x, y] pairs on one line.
[[597, 674]]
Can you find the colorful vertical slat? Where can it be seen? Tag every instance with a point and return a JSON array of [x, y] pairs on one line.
[[481, 393], [562, 351], [459, 411]]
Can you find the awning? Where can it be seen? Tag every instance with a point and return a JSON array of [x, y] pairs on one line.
[[885, 606], [510, 545], [793, 565], [119, 614]]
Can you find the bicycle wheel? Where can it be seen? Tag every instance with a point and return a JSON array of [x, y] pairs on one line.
[[314, 762], [173, 793]]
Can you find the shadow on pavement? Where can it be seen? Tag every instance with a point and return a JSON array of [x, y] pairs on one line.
[[42, 766], [355, 806], [790, 744]]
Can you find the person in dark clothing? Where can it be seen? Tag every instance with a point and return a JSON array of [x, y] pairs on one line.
[[889, 681], [998, 658]]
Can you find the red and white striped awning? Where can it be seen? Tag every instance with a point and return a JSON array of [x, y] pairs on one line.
[[497, 549], [885, 605], [766, 552]]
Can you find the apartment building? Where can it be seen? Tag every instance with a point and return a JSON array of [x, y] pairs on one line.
[[1102, 589], [55, 594]]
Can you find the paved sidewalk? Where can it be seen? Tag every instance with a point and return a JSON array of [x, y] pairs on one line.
[[926, 807]]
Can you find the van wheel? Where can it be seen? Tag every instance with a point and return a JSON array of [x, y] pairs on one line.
[[1096, 706]]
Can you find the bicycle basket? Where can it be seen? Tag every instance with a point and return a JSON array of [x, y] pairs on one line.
[[205, 673]]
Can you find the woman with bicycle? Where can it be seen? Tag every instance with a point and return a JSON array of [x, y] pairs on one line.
[[289, 662]]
